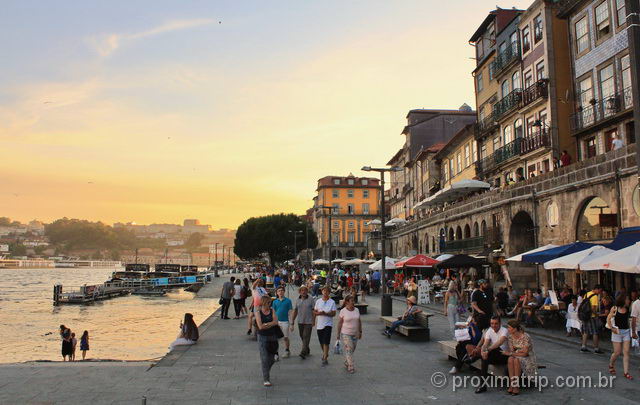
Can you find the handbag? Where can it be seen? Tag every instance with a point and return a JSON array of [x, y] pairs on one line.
[[272, 347], [278, 332], [337, 349], [220, 301]]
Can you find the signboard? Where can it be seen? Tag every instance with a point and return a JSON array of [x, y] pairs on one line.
[[610, 220], [4, 248], [424, 287]]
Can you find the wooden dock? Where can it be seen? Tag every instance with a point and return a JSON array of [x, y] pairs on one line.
[[87, 294]]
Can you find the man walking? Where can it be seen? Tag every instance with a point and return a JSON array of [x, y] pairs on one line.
[[282, 305], [482, 304], [226, 294], [304, 312], [592, 325]]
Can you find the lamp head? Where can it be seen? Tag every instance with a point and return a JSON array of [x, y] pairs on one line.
[[366, 168]]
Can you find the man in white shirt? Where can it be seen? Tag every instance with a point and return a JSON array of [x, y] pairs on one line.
[[324, 311], [617, 143], [493, 343]]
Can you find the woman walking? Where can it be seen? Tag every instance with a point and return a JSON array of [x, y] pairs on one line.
[[237, 297], [618, 322], [349, 331], [451, 302], [267, 321], [67, 344], [246, 293], [257, 293], [84, 343]]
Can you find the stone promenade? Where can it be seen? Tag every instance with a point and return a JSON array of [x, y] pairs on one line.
[[224, 368]]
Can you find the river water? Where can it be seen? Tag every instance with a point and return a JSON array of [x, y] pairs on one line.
[[123, 328]]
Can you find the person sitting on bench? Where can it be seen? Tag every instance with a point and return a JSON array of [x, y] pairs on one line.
[[408, 318], [494, 343], [468, 351]]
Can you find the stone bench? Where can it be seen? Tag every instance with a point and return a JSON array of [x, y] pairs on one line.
[[362, 308], [417, 332], [448, 347]]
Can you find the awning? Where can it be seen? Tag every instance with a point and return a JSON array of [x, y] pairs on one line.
[[417, 261], [389, 264], [625, 238], [625, 260], [575, 260], [518, 258], [453, 192], [461, 261], [554, 253]]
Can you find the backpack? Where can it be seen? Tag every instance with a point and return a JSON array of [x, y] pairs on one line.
[[584, 310]]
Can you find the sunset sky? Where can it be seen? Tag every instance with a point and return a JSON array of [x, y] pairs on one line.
[[157, 110]]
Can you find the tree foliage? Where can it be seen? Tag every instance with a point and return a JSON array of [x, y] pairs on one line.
[[82, 234], [194, 241], [270, 234]]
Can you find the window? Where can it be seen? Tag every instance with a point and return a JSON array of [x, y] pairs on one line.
[[474, 151], [505, 88], [526, 39], [496, 143], [483, 151], [351, 236], [621, 12], [365, 209], [467, 156], [540, 72], [479, 82], [352, 224], [508, 134], [350, 193], [335, 193], [609, 136], [590, 145], [603, 23], [445, 171], [625, 67], [585, 95], [528, 79], [336, 181], [336, 209], [582, 35], [479, 48], [517, 126], [459, 163], [335, 238], [365, 193], [530, 121], [542, 116], [537, 28], [607, 84], [336, 224], [515, 80], [452, 168], [350, 209], [365, 182]]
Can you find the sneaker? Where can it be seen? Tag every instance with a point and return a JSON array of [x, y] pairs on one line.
[[287, 353], [453, 370], [584, 350], [302, 356], [598, 351], [267, 384], [325, 362], [249, 332], [276, 357]]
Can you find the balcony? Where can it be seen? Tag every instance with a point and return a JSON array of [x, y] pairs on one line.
[[538, 140], [536, 91], [505, 58], [486, 125], [508, 103], [499, 156], [349, 244], [464, 245], [601, 110]]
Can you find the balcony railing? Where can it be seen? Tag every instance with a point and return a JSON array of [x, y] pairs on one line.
[[504, 59], [507, 104], [601, 110], [349, 244], [500, 155], [486, 124], [468, 244], [538, 140], [539, 89]]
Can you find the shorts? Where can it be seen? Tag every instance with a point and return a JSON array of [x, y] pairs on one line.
[[285, 328], [623, 336], [324, 335], [592, 327]]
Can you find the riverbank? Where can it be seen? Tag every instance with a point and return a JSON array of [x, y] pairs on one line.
[[224, 368]]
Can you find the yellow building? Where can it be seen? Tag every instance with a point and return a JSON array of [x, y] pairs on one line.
[[458, 157], [354, 202]]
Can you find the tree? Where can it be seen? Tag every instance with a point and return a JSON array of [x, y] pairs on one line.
[[193, 242], [81, 234], [18, 249], [5, 221], [270, 234]]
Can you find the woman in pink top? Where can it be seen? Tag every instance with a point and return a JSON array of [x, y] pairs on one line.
[[349, 330], [257, 292]]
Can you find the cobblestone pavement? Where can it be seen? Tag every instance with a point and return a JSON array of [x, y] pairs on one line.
[[224, 368]]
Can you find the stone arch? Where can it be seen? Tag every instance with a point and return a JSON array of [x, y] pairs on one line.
[[522, 233], [588, 222], [458, 233], [452, 234], [414, 243], [336, 254], [483, 228], [350, 254], [476, 229], [426, 243], [467, 231]]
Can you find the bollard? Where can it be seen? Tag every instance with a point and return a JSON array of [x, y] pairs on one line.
[[386, 308], [144, 400]]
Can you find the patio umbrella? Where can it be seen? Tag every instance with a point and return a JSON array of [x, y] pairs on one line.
[[518, 258], [444, 257], [417, 261], [575, 260], [553, 253], [320, 261], [336, 261], [461, 261], [352, 262], [625, 260], [389, 264]]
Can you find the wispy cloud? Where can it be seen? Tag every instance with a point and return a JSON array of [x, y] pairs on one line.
[[106, 44]]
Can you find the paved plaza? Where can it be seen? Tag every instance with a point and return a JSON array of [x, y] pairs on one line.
[[224, 368]]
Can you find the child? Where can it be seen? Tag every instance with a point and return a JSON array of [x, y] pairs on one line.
[[74, 343], [572, 316], [84, 343]]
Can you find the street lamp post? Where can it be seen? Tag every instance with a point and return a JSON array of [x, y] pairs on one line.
[[216, 263], [223, 255], [295, 243], [330, 208], [382, 171]]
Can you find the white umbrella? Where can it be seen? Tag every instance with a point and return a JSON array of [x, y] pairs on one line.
[[453, 192], [575, 260], [374, 222], [389, 264], [352, 262], [320, 261], [395, 221], [518, 258], [625, 260], [336, 261], [443, 257]]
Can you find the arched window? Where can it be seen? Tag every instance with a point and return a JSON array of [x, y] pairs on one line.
[[518, 129], [508, 135], [595, 221], [452, 235], [515, 80], [426, 243], [476, 230], [458, 233], [505, 88], [483, 228], [467, 231]]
